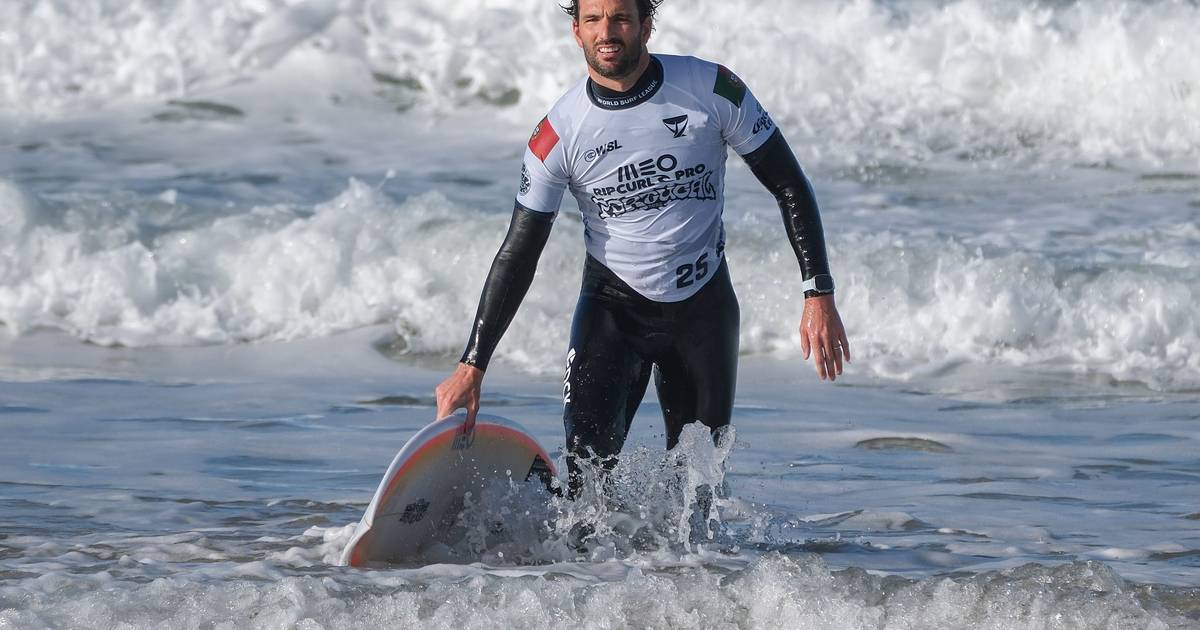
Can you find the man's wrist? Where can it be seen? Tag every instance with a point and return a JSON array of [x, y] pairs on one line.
[[472, 358], [820, 284]]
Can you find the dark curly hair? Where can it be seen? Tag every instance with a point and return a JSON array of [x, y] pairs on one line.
[[646, 9]]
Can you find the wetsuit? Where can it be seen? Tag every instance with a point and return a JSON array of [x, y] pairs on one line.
[[647, 168]]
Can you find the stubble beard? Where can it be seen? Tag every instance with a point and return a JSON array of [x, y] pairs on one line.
[[623, 66]]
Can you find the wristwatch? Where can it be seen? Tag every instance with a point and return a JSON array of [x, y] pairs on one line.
[[820, 284]]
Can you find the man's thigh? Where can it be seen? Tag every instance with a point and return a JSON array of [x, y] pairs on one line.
[[605, 380], [696, 376]]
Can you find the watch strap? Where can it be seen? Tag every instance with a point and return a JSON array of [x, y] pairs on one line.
[[819, 284]]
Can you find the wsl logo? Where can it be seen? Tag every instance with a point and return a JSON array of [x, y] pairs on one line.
[[602, 150], [677, 124]]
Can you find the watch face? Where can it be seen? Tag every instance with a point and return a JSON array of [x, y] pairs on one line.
[[823, 284]]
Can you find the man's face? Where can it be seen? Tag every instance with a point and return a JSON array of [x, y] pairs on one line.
[[611, 36]]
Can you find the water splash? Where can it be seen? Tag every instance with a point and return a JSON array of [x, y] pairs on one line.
[[651, 503]]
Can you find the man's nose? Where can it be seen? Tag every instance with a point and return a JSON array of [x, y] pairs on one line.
[[610, 28]]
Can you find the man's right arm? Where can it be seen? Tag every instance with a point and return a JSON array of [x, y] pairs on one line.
[[507, 283], [544, 178], [509, 279]]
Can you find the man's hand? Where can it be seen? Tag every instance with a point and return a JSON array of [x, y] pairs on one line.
[[821, 330], [460, 391]]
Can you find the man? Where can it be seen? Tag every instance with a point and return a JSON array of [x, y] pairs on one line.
[[641, 143]]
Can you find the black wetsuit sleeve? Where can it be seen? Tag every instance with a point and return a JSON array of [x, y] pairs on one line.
[[775, 166], [509, 279]]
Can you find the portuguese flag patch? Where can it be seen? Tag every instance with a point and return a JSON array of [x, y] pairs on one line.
[[729, 86], [543, 139]]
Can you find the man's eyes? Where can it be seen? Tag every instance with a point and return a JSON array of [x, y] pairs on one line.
[[615, 18]]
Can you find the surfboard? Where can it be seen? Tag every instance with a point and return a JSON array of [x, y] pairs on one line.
[[422, 494]]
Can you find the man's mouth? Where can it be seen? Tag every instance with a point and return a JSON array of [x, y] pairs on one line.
[[608, 49]]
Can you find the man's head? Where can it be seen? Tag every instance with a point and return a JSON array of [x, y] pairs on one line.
[[612, 33]]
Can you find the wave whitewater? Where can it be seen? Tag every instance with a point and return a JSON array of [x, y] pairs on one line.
[[149, 276], [864, 82]]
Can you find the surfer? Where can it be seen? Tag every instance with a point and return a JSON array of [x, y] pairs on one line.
[[641, 143]]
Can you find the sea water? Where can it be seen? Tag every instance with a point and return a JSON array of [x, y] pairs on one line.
[[242, 241]]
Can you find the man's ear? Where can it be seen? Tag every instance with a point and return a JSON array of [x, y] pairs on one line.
[[575, 32], [647, 27]]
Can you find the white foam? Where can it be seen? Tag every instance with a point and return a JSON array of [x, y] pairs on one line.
[[16, 211], [935, 301], [796, 592], [270, 273], [860, 82], [109, 273], [315, 547]]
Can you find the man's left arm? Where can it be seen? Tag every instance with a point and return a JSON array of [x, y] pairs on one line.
[[821, 330]]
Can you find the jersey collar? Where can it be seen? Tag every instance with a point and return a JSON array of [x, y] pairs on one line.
[[645, 88]]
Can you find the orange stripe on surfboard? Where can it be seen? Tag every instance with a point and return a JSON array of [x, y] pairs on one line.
[[356, 559]]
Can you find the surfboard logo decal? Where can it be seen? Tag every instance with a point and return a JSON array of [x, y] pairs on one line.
[[543, 140], [414, 512]]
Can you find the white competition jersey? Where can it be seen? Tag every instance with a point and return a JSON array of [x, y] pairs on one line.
[[648, 170]]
